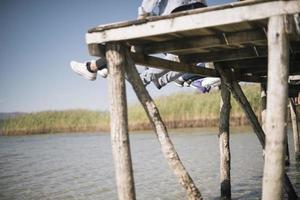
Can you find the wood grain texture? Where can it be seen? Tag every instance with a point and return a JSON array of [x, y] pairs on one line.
[[192, 21], [160, 129], [119, 122], [276, 122], [224, 143]]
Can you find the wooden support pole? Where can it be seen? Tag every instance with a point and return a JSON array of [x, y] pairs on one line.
[[294, 118], [263, 121], [276, 109], [287, 151], [224, 143], [119, 122], [159, 127], [263, 96], [240, 97]]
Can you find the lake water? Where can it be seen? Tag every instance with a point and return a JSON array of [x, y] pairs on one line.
[[80, 166]]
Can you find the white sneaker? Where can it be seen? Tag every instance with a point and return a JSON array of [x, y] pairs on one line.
[[81, 69], [103, 72], [210, 81]]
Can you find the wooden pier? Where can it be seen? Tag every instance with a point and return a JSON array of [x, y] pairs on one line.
[[250, 41]]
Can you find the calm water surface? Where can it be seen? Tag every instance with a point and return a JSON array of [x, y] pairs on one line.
[[80, 166]]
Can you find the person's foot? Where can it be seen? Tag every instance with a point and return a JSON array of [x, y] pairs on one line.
[[188, 83], [103, 72], [179, 82], [82, 70], [197, 84], [212, 82], [101, 65]]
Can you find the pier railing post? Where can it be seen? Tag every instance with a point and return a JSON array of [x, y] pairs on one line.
[[294, 118], [159, 127], [224, 143], [119, 122], [278, 64]]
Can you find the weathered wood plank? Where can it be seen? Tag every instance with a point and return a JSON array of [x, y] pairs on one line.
[[159, 127], [192, 21], [119, 122], [187, 12], [152, 61], [276, 109], [224, 143], [223, 39], [227, 55]]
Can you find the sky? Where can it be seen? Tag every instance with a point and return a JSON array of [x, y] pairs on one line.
[[39, 38]]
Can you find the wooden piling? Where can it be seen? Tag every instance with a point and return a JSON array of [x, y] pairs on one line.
[[240, 97], [294, 118], [159, 127], [236, 91], [263, 96], [287, 151], [119, 122], [224, 143], [278, 60]]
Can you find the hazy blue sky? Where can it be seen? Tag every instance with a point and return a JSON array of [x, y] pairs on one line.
[[39, 38]]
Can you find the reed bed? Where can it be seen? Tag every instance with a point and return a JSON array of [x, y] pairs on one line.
[[188, 109]]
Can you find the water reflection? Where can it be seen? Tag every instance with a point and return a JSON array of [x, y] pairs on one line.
[[79, 166]]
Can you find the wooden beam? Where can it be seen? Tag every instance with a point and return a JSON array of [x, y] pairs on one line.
[[192, 21], [155, 62], [227, 55], [259, 65], [224, 143], [119, 122], [203, 42], [176, 14], [240, 97], [251, 78], [97, 50], [160, 129], [276, 109], [293, 26], [295, 125], [287, 151]]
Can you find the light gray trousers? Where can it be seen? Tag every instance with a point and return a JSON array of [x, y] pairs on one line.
[[160, 76]]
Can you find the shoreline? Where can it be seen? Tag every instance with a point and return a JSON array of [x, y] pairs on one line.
[[194, 123], [179, 110]]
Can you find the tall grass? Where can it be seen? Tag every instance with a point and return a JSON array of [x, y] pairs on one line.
[[188, 109], [194, 109], [56, 121]]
